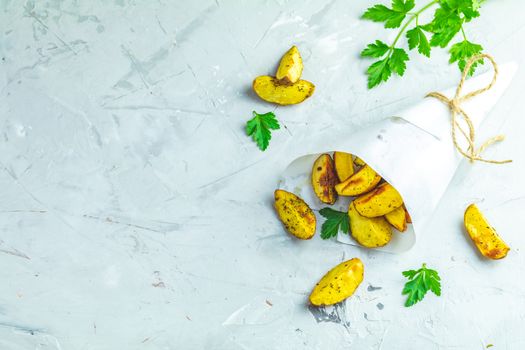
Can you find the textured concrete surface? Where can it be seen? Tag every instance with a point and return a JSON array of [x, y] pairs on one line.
[[135, 213]]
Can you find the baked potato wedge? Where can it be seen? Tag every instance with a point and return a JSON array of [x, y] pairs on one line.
[[344, 166], [359, 162], [339, 283], [290, 67], [487, 240], [378, 202], [360, 182], [296, 216], [397, 218], [324, 179], [407, 214], [269, 89], [369, 232]]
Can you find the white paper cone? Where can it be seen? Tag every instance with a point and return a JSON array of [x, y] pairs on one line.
[[413, 151]]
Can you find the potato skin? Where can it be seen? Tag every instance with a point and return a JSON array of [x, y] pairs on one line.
[[344, 165], [361, 182], [290, 67], [296, 216], [269, 89], [339, 283], [369, 232], [397, 218], [324, 179], [382, 200], [484, 236]]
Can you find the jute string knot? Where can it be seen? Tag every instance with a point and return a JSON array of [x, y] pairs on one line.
[[472, 153]]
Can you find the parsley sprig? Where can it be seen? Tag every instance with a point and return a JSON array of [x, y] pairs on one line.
[[419, 283], [260, 126], [335, 221], [447, 22]]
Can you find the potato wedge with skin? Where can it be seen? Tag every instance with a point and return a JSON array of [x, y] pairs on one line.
[[487, 240], [359, 162], [369, 232], [378, 202], [360, 182], [269, 89], [339, 283], [296, 216], [397, 218], [344, 166], [324, 179], [290, 67]]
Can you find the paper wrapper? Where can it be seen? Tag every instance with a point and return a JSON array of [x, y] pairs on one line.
[[413, 151]]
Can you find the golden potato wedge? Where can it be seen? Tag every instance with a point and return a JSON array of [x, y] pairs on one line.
[[297, 217], [369, 232], [344, 166], [378, 202], [359, 162], [339, 283], [269, 89], [397, 218], [362, 181], [485, 237], [290, 68], [324, 179]]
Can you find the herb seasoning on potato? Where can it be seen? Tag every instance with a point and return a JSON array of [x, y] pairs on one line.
[[339, 283], [487, 240], [296, 216], [324, 179]]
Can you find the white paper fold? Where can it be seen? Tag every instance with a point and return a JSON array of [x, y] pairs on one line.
[[413, 151]]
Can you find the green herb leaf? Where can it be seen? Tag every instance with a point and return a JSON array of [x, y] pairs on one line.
[[391, 16], [462, 51], [417, 38], [335, 221], [378, 72], [259, 128], [419, 283], [377, 49], [397, 61]]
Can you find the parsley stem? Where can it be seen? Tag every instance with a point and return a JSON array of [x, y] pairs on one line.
[[463, 33], [404, 27]]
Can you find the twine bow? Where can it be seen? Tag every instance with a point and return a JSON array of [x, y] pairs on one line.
[[455, 108]]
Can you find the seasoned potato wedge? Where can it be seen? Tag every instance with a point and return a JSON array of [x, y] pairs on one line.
[[359, 162], [382, 200], [344, 166], [397, 218], [362, 181], [295, 214], [339, 283], [269, 89], [369, 232], [324, 179], [290, 68], [485, 237]]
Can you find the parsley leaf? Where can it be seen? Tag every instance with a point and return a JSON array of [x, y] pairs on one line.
[[377, 49], [397, 61], [462, 51], [391, 16], [417, 38], [378, 72], [419, 283], [259, 128], [335, 221]]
